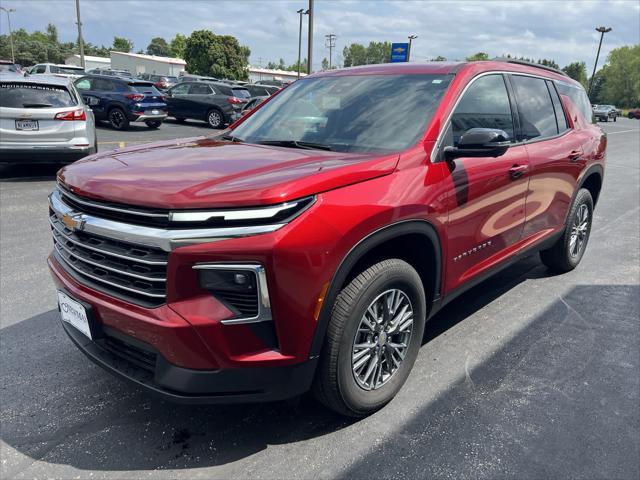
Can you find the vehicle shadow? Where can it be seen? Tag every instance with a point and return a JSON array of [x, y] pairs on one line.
[[30, 172], [61, 408]]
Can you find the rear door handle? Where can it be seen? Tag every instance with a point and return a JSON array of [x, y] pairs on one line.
[[575, 155], [517, 171]]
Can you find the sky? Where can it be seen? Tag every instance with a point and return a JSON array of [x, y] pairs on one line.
[[559, 29]]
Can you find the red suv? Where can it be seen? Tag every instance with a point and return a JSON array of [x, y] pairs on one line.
[[307, 246]]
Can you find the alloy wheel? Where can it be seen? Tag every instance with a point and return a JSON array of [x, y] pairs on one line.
[[214, 119], [579, 230], [382, 339], [116, 117]]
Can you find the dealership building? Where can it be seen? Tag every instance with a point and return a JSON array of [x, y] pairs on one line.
[[138, 63], [257, 74], [90, 62]]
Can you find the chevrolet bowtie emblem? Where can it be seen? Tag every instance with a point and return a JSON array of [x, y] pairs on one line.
[[398, 49], [73, 221]]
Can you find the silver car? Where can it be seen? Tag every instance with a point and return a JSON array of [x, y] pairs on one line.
[[43, 120]]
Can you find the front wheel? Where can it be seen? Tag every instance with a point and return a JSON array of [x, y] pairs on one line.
[[373, 339], [566, 253], [153, 123]]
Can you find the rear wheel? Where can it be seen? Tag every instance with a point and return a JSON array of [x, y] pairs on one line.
[[118, 119], [373, 338], [567, 252], [215, 119], [153, 123]]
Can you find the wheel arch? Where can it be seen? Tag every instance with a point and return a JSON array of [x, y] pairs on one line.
[[401, 239], [592, 181]]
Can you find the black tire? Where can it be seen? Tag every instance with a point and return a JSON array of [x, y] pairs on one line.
[[605, 119], [630, 115], [153, 123], [563, 256], [118, 119], [215, 118], [615, 119], [335, 384]]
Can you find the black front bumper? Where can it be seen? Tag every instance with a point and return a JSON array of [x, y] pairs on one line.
[[138, 363]]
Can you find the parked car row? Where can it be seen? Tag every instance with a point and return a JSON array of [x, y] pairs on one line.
[[604, 113]]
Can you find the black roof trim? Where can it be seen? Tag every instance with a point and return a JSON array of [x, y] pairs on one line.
[[530, 64]]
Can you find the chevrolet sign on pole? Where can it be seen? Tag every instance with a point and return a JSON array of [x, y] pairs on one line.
[[399, 52]]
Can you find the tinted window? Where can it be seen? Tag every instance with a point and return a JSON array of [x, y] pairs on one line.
[[359, 113], [69, 70], [200, 89], [579, 97], [23, 95], [102, 84], [40, 68], [241, 92], [537, 117], [180, 89], [145, 88], [561, 120], [485, 104], [256, 91]]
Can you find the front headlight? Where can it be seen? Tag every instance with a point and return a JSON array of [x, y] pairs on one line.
[[281, 213]]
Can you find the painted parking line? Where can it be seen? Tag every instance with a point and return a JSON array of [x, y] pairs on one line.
[[623, 131]]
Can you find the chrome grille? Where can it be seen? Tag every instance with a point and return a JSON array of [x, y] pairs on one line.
[[128, 271]]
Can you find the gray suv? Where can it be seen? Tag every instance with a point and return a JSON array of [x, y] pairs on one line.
[[218, 104], [43, 119]]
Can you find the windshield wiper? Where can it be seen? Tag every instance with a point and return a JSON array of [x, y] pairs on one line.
[[36, 105], [295, 144], [231, 138]]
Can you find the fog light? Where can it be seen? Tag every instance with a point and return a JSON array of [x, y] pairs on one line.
[[228, 280]]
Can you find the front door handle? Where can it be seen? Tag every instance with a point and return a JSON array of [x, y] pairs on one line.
[[517, 171], [575, 155]]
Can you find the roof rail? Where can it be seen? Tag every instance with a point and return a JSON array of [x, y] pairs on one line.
[[530, 64]]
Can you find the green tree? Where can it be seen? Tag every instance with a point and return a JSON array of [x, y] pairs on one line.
[[354, 54], [548, 63], [325, 64], [375, 52], [216, 55], [622, 76], [439, 58], [577, 71], [178, 45], [477, 57], [597, 87], [294, 67], [52, 33], [158, 46], [121, 44]]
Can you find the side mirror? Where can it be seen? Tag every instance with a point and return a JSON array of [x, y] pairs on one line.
[[479, 142]]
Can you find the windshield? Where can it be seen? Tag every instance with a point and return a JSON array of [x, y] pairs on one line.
[[28, 95], [359, 113]]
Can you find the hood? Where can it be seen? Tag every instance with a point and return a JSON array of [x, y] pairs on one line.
[[207, 173]]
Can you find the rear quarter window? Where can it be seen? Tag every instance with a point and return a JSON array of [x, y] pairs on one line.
[[579, 97], [23, 95]]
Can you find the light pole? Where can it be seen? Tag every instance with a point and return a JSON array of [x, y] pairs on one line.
[[330, 43], [411, 38], [310, 40], [602, 31], [80, 42], [300, 12], [8, 11]]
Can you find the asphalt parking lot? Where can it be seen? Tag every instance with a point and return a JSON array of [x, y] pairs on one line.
[[528, 375]]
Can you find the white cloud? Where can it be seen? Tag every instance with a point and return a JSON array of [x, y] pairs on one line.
[[562, 30]]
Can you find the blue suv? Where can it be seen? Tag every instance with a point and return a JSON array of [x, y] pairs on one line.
[[121, 101]]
